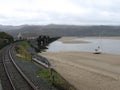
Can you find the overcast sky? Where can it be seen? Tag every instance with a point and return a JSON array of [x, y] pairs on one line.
[[78, 12]]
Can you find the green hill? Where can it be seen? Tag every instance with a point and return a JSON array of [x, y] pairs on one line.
[[5, 39], [4, 35]]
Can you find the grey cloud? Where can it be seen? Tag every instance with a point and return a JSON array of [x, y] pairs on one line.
[[95, 16]]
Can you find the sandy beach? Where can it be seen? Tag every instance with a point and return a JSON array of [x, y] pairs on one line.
[[87, 71]]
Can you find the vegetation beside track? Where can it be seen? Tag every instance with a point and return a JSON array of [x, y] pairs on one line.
[[21, 50], [55, 79]]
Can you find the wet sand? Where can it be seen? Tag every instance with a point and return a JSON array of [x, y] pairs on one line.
[[87, 71], [72, 39]]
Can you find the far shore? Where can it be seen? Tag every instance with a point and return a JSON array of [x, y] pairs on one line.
[[72, 39]]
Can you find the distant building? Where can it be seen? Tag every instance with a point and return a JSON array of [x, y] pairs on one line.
[[19, 36], [27, 36]]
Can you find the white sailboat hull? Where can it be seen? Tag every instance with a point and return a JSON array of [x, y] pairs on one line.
[[97, 51]]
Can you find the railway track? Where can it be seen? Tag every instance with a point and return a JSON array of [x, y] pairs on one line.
[[15, 78], [6, 85]]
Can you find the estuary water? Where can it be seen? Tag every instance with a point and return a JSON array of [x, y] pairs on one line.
[[107, 45]]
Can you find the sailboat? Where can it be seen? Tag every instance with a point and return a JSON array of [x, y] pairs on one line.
[[98, 49]]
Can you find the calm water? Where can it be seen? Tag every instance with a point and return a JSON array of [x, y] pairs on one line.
[[107, 46]]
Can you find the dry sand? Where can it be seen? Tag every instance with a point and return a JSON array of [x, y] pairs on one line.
[[85, 70]]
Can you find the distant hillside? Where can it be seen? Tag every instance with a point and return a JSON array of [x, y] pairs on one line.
[[10, 27], [68, 30]]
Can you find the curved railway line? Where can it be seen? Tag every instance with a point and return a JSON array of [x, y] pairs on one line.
[[13, 78]]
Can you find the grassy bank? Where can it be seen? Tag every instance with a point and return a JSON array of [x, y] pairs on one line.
[[55, 79], [21, 50]]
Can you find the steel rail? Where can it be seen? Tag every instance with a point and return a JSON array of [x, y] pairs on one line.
[[21, 72]]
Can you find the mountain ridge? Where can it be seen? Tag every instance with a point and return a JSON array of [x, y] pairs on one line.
[[64, 30]]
